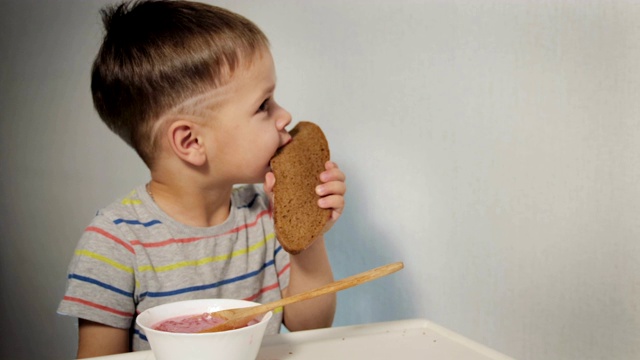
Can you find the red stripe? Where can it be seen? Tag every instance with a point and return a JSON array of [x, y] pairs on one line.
[[97, 306], [248, 225], [189, 240], [168, 242], [112, 237], [262, 291], [284, 269]]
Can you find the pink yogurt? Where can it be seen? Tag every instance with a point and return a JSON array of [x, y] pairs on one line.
[[188, 323], [191, 323]]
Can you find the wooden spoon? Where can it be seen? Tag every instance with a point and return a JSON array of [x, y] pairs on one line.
[[237, 318]]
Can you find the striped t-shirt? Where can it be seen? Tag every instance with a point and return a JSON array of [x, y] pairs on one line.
[[133, 256]]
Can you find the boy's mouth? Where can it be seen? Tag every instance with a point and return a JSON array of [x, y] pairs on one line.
[[289, 140]]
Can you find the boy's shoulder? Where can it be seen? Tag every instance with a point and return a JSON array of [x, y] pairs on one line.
[[130, 206], [138, 208], [137, 203]]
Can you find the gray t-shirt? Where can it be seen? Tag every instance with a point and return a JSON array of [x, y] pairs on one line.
[[133, 256]]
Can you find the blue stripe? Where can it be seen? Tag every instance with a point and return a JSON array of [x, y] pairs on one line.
[[101, 284], [278, 249], [136, 222], [140, 334], [208, 286]]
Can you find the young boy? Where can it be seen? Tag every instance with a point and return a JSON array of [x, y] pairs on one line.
[[190, 87]]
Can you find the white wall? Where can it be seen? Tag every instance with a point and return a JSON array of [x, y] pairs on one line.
[[491, 145]]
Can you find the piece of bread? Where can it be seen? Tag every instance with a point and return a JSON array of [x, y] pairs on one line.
[[297, 166]]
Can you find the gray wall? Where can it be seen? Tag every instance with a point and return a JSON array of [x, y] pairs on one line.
[[491, 145]]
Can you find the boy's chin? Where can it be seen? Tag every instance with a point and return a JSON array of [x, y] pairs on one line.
[[259, 178]]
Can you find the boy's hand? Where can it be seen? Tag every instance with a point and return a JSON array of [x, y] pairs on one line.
[[331, 191]]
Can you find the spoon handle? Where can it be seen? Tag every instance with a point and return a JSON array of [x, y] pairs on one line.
[[332, 287]]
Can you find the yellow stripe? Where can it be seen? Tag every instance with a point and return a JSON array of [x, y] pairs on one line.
[[207, 260], [278, 310], [128, 201], [104, 259]]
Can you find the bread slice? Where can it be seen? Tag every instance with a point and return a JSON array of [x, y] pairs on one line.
[[297, 166]]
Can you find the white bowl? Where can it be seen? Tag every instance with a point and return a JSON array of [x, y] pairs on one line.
[[238, 344]]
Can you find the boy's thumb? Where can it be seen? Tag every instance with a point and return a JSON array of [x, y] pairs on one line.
[[269, 183]]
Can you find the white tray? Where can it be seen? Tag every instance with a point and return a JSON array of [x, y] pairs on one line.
[[405, 339]]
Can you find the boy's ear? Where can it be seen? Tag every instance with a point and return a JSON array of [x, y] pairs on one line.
[[186, 142]]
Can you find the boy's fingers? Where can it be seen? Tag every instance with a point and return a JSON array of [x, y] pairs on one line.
[[333, 174], [335, 202], [331, 188]]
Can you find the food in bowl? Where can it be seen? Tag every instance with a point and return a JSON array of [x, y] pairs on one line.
[[237, 344], [188, 323], [192, 323]]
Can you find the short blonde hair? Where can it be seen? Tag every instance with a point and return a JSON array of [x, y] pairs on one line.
[[156, 54]]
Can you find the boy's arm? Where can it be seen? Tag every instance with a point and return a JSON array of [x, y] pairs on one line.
[[310, 269], [95, 339]]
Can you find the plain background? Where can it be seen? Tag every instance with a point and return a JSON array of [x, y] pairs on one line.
[[491, 145]]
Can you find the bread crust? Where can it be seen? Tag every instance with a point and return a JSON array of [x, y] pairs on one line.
[[297, 166]]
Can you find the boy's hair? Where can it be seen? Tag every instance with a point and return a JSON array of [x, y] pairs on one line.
[[158, 53]]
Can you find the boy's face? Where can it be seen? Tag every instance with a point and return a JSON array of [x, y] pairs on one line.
[[249, 126]]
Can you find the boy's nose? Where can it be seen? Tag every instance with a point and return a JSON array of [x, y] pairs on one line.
[[284, 119]]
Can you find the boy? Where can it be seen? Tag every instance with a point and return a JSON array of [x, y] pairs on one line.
[[190, 87]]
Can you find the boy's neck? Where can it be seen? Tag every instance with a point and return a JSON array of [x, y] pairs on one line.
[[191, 205]]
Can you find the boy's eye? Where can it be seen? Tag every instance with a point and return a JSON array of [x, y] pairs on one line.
[[264, 106]]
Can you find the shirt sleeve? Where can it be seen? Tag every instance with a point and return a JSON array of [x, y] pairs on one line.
[[101, 280]]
